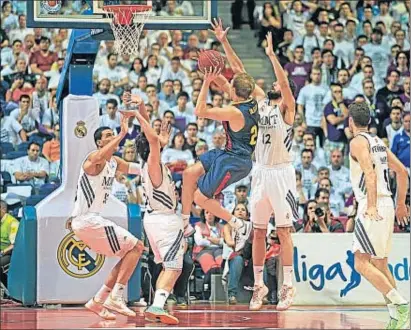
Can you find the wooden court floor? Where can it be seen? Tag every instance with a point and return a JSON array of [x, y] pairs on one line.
[[203, 317]]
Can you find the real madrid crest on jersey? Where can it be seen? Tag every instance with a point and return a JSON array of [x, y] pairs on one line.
[[51, 6], [77, 259], [80, 131]]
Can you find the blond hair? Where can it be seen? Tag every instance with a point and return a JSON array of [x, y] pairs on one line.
[[243, 85]]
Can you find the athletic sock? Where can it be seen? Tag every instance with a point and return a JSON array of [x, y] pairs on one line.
[[258, 275], [288, 275], [396, 298], [392, 310], [160, 298], [102, 294], [118, 291]]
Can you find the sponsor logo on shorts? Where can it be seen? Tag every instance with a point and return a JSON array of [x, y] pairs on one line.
[[80, 131], [77, 259], [51, 6]]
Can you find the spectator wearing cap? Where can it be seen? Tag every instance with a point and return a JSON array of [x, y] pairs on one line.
[[335, 113], [103, 94], [167, 94], [310, 103], [182, 109], [379, 54], [297, 69], [11, 130], [401, 142], [42, 60], [31, 169], [174, 71], [394, 125], [386, 94]]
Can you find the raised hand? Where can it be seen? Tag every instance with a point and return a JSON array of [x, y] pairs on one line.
[[218, 30], [129, 98], [210, 74], [165, 132], [124, 122], [269, 50]]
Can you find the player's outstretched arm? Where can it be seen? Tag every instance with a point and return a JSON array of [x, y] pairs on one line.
[[228, 113], [287, 105], [235, 62], [97, 160], [360, 151], [130, 99], [402, 180]]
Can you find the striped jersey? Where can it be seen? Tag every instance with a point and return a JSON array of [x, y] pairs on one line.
[[380, 162], [161, 199], [275, 140], [93, 191]]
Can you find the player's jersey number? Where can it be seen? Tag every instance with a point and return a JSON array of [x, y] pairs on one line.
[[254, 134]]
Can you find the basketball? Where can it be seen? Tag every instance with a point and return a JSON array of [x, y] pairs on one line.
[[210, 59]]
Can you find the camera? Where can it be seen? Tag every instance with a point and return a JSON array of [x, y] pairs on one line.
[[319, 212]]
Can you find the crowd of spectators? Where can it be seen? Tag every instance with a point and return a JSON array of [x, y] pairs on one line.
[[335, 52]]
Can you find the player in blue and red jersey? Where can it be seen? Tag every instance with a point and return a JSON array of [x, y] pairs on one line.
[[217, 168]]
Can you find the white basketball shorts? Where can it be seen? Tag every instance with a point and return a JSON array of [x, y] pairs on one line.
[[102, 235], [165, 233], [273, 189], [374, 237]]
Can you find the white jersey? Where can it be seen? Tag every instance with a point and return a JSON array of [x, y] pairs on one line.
[[274, 136], [380, 162], [161, 199], [94, 191]]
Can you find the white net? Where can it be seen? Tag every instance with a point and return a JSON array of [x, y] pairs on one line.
[[127, 24]]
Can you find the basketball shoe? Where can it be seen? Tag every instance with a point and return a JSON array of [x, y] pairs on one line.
[[403, 315], [241, 236], [286, 297], [157, 314], [99, 309], [118, 305], [260, 292]]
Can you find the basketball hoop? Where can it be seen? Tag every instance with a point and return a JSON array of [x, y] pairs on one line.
[[127, 23]]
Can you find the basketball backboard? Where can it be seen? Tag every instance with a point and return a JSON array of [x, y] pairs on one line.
[[89, 14]]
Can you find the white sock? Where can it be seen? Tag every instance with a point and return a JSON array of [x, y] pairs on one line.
[[288, 275], [392, 310], [396, 298], [102, 294], [160, 298], [258, 275], [118, 290]]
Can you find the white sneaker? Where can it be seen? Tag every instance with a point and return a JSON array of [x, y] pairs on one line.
[[241, 236], [257, 300], [99, 309], [286, 297], [236, 223], [118, 305]]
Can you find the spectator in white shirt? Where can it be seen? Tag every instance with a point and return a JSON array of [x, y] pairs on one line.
[[182, 109], [339, 174], [204, 42], [308, 172], [218, 141], [319, 159], [152, 70], [167, 93], [151, 92], [51, 116], [10, 130], [343, 49], [21, 115], [103, 94], [343, 78], [140, 90], [394, 126], [9, 21], [175, 72], [174, 157], [31, 169], [202, 132], [308, 40], [135, 72], [112, 118], [21, 32], [384, 16], [114, 73], [9, 59]]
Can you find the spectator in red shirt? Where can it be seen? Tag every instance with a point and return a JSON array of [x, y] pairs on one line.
[[42, 60]]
